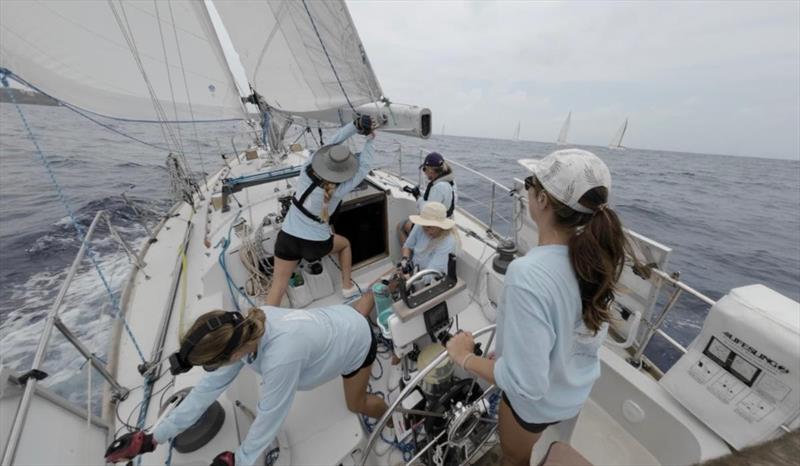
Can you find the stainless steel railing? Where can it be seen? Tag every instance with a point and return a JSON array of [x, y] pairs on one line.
[[53, 321]]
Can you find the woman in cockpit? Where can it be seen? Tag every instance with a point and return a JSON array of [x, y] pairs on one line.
[[431, 241], [329, 175]]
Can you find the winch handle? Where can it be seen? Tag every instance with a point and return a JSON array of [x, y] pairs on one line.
[[446, 336]]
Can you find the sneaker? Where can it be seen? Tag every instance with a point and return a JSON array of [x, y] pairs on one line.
[[348, 293]]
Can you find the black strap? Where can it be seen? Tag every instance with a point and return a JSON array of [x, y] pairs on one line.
[[316, 182], [452, 199]]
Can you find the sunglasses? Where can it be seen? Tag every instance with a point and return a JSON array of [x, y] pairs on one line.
[[529, 182]]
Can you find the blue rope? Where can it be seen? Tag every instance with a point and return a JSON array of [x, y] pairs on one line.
[[225, 242], [168, 461], [78, 228], [341, 86]]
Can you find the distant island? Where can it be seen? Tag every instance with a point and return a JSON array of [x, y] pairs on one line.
[[25, 96]]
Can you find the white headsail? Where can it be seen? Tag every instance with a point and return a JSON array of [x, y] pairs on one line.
[[113, 57], [562, 136], [304, 58], [616, 143]]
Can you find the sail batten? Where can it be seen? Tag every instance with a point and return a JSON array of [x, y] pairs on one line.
[[90, 63]]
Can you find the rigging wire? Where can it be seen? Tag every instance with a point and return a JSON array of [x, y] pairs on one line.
[[188, 96], [327, 55], [169, 74]]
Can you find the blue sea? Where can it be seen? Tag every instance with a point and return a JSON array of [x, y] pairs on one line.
[[731, 221]]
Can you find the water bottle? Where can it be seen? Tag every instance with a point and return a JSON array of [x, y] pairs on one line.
[[383, 304]]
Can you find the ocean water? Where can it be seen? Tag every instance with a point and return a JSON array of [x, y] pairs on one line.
[[731, 221]]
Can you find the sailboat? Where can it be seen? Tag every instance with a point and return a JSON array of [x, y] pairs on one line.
[[562, 135], [616, 143], [516, 133], [306, 68]]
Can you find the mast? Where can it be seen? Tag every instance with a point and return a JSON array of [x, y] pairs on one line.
[[616, 143]]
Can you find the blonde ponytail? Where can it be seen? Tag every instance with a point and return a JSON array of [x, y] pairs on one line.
[[329, 189]]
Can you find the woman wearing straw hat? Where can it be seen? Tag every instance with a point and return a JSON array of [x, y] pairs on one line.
[[441, 188], [329, 175], [431, 240], [554, 311]]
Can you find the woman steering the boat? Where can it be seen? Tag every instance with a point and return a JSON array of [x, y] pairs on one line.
[[441, 188], [431, 241], [291, 349], [329, 175], [554, 311]]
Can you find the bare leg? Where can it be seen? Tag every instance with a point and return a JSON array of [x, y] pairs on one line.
[[403, 230], [358, 400], [280, 280], [516, 442], [341, 246]]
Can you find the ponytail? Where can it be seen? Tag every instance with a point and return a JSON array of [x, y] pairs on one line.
[[213, 344], [597, 251], [329, 189]]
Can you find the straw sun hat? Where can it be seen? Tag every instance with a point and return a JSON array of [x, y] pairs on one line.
[[334, 163], [433, 215]]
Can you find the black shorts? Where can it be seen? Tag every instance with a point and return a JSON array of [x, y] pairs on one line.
[[528, 426], [292, 248], [371, 355]]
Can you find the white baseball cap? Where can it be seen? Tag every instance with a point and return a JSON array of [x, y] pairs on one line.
[[569, 174]]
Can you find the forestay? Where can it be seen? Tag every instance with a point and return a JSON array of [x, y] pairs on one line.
[[85, 53], [304, 57]]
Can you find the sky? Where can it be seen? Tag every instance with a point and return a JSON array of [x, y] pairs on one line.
[[708, 77]]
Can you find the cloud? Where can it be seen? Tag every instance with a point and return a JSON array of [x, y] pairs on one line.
[[730, 68]]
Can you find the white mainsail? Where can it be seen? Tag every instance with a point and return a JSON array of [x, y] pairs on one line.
[[562, 136], [304, 58], [95, 55], [616, 143]]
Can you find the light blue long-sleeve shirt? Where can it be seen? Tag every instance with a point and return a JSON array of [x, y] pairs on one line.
[[430, 253], [546, 358], [297, 223], [441, 192], [300, 350]]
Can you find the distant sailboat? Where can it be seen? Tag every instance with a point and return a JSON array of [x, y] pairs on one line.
[[442, 130], [516, 132], [562, 136], [616, 143]]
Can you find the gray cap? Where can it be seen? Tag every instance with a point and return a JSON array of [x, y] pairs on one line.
[[334, 163]]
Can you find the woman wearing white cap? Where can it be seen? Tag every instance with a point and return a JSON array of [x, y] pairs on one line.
[[431, 240], [554, 310], [329, 175]]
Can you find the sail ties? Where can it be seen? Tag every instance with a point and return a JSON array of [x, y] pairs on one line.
[[4, 74]]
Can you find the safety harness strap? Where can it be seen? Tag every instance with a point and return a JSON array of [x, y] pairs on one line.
[[316, 182], [452, 199]]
